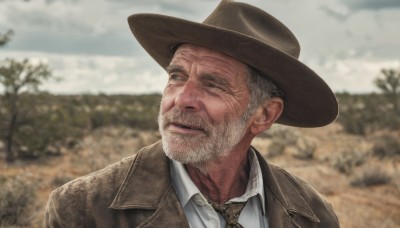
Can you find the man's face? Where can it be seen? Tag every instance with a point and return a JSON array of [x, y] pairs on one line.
[[201, 110]]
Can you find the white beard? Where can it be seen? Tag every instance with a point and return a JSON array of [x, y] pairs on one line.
[[217, 140]]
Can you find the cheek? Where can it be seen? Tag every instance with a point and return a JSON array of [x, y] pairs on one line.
[[217, 110], [167, 101], [214, 107], [232, 106]]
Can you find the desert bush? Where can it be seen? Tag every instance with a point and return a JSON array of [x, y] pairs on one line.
[[344, 164], [305, 148], [371, 177], [353, 121], [349, 159], [276, 148], [45, 135], [386, 146], [286, 135], [138, 111], [100, 119], [49, 123], [17, 197], [389, 83], [43, 126], [361, 114]]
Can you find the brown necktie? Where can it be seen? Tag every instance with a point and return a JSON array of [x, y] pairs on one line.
[[230, 212]]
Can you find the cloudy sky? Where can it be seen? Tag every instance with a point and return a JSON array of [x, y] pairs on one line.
[[88, 44]]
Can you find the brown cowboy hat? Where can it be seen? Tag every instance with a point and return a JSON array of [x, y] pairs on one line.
[[255, 38]]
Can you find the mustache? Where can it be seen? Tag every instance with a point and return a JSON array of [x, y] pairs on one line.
[[186, 119]]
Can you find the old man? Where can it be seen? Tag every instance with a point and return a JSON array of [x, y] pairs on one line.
[[229, 79]]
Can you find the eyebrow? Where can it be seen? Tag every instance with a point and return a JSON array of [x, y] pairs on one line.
[[215, 78], [174, 68]]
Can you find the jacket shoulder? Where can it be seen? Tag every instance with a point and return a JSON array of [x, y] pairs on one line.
[[79, 200], [316, 202], [97, 181]]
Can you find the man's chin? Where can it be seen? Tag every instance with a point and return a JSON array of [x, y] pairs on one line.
[[181, 157], [185, 153], [182, 142]]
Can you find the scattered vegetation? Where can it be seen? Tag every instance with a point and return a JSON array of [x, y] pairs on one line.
[[17, 197], [387, 146], [276, 148], [349, 159], [367, 113], [361, 114], [55, 122], [16, 77], [371, 177], [389, 83], [286, 135], [305, 148]]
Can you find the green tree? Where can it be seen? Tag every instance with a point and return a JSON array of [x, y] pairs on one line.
[[16, 77], [389, 83]]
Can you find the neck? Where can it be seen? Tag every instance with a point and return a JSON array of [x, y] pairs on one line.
[[224, 178]]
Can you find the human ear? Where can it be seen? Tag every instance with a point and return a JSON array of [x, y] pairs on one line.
[[266, 115]]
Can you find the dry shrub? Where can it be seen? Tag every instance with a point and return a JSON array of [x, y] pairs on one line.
[[305, 148], [349, 159], [387, 146], [17, 197], [286, 135], [367, 113], [371, 177], [276, 148]]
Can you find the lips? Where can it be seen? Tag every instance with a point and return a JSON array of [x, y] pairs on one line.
[[187, 126], [184, 123]]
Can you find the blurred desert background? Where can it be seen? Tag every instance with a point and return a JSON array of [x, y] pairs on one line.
[[78, 93], [354, 162]]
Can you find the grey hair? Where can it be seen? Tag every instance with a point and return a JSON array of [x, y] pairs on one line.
[[261, 89]]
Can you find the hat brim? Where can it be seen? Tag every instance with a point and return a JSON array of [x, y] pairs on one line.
[[309, 102]]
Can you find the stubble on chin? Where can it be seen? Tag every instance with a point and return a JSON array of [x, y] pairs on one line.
[[197, 150], [187, 149]]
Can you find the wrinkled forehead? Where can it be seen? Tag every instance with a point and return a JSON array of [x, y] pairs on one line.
[[190, 53]]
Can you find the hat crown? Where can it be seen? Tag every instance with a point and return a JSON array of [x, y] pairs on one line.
[[254, 37], [256, 23]]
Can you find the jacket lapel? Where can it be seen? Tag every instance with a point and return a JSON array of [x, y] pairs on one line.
[[147, 186], [285, 204]]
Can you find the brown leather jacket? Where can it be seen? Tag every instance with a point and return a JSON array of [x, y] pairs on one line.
[[137, 192]]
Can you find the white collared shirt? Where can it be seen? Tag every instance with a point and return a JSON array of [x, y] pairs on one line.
[[201, 214]]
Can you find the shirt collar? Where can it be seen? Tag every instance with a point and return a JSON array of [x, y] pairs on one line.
[[186, 189]]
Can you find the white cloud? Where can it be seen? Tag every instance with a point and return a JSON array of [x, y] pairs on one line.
[[95, 73], [352, 74], [88, 42]]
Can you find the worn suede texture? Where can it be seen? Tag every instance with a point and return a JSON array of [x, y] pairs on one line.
[[137, 192]]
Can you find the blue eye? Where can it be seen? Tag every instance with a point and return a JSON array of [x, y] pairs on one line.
[[174, 77]]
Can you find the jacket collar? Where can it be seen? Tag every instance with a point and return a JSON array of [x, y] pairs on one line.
[[281, 186], [149, 171]]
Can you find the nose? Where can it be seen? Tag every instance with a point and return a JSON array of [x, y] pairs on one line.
[[188, 97]]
